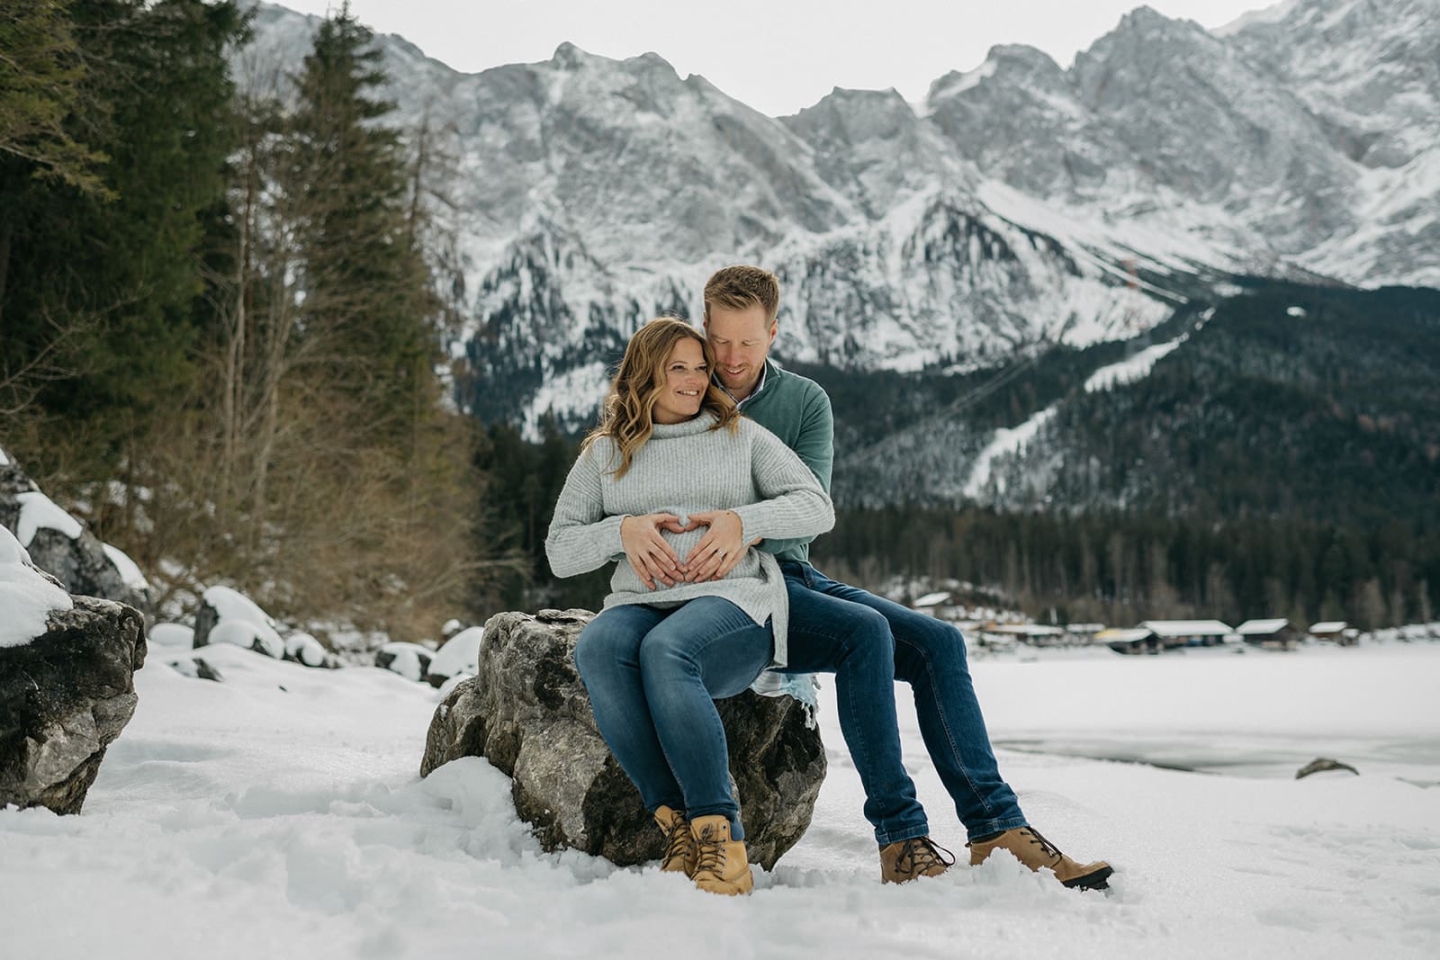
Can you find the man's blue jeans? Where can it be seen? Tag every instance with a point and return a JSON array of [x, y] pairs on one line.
[[653, 676], [869, 643]]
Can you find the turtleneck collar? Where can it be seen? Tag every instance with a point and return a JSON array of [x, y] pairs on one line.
[[697, 424]]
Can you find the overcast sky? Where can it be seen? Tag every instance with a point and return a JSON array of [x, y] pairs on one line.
[[774, 55]]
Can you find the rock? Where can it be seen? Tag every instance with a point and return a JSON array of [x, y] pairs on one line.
[[1321, 764], [197, 668], [528, 713], [62, 546], [228, 616], [459, 655], [304, 649], [410, 660], [63, 698]]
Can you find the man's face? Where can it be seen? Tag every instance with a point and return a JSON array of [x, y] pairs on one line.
[[741, 340]]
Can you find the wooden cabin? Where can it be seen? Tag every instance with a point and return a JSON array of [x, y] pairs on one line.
[[1273, 634], [1188, 633], [1135, 640]]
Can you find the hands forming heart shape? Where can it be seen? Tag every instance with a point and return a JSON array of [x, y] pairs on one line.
[[655, 561]]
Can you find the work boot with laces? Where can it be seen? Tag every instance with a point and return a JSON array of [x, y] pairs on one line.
[[1033, 850], [679, 842], [909, 859], [721, 865]]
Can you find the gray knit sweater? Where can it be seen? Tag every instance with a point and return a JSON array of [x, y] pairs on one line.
[[687, 468]]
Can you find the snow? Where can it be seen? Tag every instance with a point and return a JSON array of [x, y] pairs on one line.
[[1186, 628], [1007, 440], [38, 512], [932, 599], [1130, 369], [409, 659], [280, 814], [26, 597], [460, 655], [305, 648], [129, 569], [245, 633], [175, 635], [243, 621], [4, 460], [965, 81], [1261, 627], [1271, 14], [1329, 626]]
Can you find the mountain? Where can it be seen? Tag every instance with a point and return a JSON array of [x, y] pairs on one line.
[[1287, 400], [1023, 211]]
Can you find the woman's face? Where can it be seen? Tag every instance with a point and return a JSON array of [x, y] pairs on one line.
[[683, 389]]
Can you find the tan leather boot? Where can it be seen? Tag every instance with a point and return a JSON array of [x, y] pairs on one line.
[[720, 863], [1033, 850], [679, 842], [910, 859]]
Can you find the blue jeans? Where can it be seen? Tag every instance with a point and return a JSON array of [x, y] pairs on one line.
[[869, 643], [653, 676]]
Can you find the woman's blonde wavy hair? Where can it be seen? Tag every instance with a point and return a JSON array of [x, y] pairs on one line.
[[630, 405]]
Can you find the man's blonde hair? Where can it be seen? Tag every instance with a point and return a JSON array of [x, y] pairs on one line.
[[742, 287]]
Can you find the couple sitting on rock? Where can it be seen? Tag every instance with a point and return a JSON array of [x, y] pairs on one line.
[[708, 473]]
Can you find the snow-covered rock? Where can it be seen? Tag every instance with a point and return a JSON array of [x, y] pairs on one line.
[[228, 616], [171, 635], [59, 544], [249, 635], [528, 713], [27, 596], [304, 648], [459, 655], [410, 660]]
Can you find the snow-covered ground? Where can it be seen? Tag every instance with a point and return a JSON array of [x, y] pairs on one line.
[[280, 814]]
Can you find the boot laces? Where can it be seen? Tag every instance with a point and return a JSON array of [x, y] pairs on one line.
[[710, 853], [677, 841], [920, 854], [1049, 849]]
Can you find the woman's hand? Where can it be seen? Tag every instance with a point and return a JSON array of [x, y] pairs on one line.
[[719, 550], [650, 556]]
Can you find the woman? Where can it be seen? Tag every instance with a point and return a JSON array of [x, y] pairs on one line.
[[673, 471]]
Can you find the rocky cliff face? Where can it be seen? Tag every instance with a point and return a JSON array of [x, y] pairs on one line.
[[1020, 206]]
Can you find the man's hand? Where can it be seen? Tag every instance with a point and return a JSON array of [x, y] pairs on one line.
[[719, 550], [650, 556]]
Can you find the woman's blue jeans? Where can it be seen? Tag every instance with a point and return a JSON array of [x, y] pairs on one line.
[[869, 643], [653, 676]]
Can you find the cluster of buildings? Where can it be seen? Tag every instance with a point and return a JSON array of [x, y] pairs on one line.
[[1149, 636]]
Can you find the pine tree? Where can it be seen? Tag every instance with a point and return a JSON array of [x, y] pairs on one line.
[[368, 301]]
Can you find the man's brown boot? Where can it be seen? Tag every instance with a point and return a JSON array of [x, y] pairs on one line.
[[909, 859], [679, 843], [1035, 852], [720, 863]]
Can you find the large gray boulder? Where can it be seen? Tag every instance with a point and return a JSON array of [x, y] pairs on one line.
[[64, 696], [528, 713], [61, 545]]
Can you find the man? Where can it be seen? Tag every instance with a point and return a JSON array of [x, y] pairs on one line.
[[866, 641]]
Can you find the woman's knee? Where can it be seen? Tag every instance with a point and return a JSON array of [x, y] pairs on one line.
[[663, 653], [599, 649]]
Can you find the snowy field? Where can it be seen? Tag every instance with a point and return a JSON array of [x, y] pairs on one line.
[[280, 814]]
